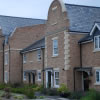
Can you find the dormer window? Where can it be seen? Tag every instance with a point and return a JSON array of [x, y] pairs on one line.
[[97, 42]]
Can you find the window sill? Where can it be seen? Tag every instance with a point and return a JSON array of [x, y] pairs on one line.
[[56, 86], [55, 56], [6, 64], [31, 61], [96, 50], [96, 83], [39, 80]]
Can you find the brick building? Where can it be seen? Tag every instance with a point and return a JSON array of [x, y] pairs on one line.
[[65, 49]]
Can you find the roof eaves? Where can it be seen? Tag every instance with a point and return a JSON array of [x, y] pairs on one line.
[[22, 52]]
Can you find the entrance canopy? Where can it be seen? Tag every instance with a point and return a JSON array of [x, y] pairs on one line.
[[30, 71], [84, 69]]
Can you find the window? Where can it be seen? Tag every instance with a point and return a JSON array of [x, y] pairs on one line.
[[6, 58], [39, 75], [55, 47], [6, 77], [97, 76], [24, 58], [39, 55], [24, 76], [97, 42], [56, 79]]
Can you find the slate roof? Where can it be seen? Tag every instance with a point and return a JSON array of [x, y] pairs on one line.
[[8, 23], [82, 18], [38, 44], [88, 37]]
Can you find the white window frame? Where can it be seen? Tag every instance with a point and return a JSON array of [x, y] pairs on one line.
[[24, 58], [39, 75], [97, 82], [98, 41], [39, 55], [24, 76], [56, 86], [6, 58], [56, 38], [6, 77]]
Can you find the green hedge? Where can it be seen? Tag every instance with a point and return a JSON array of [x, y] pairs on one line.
[[92, 95]]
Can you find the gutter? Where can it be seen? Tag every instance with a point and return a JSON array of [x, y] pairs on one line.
[[43, 64], [80, 46], [3, 60], [22, 52], [9, 63]]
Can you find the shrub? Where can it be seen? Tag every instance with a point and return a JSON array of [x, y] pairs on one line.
[[2, 86], [92, 95], [30, 93], [41, 97], [63, 89]]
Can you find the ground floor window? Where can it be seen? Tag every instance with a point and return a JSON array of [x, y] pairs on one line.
[[39, 75], [56, 79], [97, 76], [6, 77], [24, 76]]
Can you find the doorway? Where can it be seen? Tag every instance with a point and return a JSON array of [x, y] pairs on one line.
[[33, 76], [49, 82], [86, 81], [29, 77]]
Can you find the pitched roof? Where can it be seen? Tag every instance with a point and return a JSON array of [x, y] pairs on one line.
[[90, 36], [82, 18], [37, 45], [9, 23]]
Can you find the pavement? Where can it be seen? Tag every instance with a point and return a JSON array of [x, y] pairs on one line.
[[49, 97]]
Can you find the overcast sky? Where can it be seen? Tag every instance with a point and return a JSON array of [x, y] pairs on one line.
[[35, 8]]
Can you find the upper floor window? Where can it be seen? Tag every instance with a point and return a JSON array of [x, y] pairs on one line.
[[55, 47], [24, 58], [6, 58], [97, 76], [39, 55], [97, 42]]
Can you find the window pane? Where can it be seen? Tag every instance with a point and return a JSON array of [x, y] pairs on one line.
[[55, 50], [55, 43], [6, 58], [39, 54], [24, 76], [39, 75], [96, 42], [56, 74], [55, 46], [57, 81], [24, 58], [97, 76], [99, 41]]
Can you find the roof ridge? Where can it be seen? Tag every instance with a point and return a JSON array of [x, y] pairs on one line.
[[21, 17], [82, 5]]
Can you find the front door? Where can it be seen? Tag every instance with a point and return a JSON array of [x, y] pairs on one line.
[[49, 79], [33, 75], [86, 81], [29, 77]]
